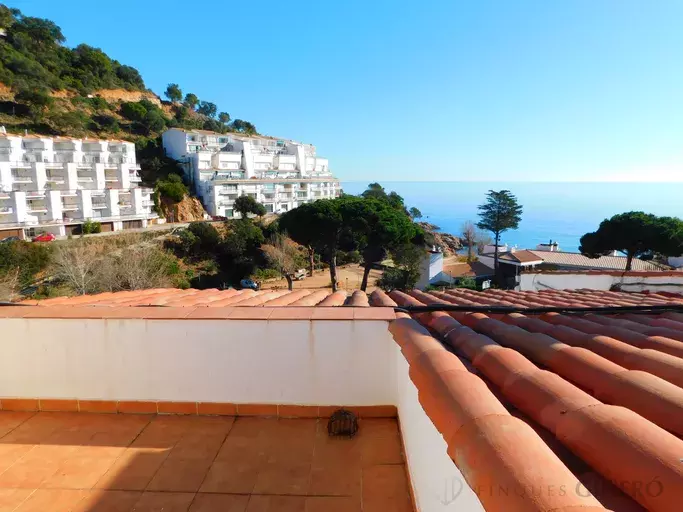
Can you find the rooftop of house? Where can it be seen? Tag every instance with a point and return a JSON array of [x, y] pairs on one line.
[[513, 411], [467, 269], [577, 260], [594, 398]]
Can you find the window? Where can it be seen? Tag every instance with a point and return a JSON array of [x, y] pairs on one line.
[[192, 138], [222, 140], [269, 207], [229, 213]]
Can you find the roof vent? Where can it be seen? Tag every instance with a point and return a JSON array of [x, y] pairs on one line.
[[342, 423]]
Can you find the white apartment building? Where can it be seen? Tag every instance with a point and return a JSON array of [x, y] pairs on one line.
[[55, 184], [281, 174]]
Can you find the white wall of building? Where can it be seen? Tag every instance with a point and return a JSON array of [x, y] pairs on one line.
[[212, 160], [239, 361], [631, 282], [283, 362], [39, 173], [438, 485], [430, 268]]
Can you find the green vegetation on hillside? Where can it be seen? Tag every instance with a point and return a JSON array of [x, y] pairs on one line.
[[55, 90]]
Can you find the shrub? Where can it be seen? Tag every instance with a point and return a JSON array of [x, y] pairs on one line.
[[28, 257], [207, 238], [172, 188], [133, 111], [90, 227]]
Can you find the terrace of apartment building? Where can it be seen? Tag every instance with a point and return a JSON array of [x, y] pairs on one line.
[[219, 400], [207, 421]]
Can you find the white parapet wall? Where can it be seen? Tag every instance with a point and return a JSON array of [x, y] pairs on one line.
[[269, 362], [324, 362], [652, 282], [438, 485]]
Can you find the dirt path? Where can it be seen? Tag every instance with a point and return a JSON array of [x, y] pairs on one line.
[[350, 277]]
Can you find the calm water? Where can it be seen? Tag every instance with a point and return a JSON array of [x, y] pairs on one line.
[[561, 211]]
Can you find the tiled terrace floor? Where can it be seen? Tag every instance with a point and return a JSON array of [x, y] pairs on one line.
[[79, 462]]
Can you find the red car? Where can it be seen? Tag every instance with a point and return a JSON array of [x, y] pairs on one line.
[[45, 237]]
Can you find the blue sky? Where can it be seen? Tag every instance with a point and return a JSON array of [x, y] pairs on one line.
[[530, 90]]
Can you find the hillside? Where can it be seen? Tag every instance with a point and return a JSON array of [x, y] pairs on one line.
[[49, 89]]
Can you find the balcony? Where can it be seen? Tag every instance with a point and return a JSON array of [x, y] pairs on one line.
[[34, 194], [38, 208], [56, 179], [85, 179], [134, 178], [6, 210], [70, 207], [21, 178], [99, 206]]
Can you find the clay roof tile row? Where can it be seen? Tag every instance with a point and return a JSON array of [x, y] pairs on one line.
[[604, 393]]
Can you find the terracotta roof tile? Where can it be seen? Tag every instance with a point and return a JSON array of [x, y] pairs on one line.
[[138, 303], [608, 393]]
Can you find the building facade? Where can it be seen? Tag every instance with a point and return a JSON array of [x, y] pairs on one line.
[[281, 174], [55, 184]]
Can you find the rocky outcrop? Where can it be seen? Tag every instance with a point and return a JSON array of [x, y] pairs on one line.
[[124, 95], [188, 210], [450, 244]]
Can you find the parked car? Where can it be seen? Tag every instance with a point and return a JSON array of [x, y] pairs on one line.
[[10, 239], [248, 283], [45, 237], [300, 274]]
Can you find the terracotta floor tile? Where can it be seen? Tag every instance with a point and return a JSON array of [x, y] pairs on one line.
[[198, 445], [108, 501], [283, 478], [381, 450], [386, 488], [337, 450], [378, 427], [78, 473], [54, 500], [180, 475], [237, 477], [59, 452], [134, 470], [28, 473], [11, 453], [253, 427], [277, 504], [11, 420], [237, 448], [10, 499], [333, 504], [220, 503], [164, 502], [335, 479]]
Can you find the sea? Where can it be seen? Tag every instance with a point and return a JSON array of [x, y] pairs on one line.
[[561, 212]]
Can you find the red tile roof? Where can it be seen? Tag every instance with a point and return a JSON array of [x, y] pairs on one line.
[[545, 402], [173, 303], [523, 256]]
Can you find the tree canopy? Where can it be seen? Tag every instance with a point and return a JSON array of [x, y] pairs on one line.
[[245, 205], [33, 57], [500, 213], [173, 92], [637, 235], [34, 62]]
